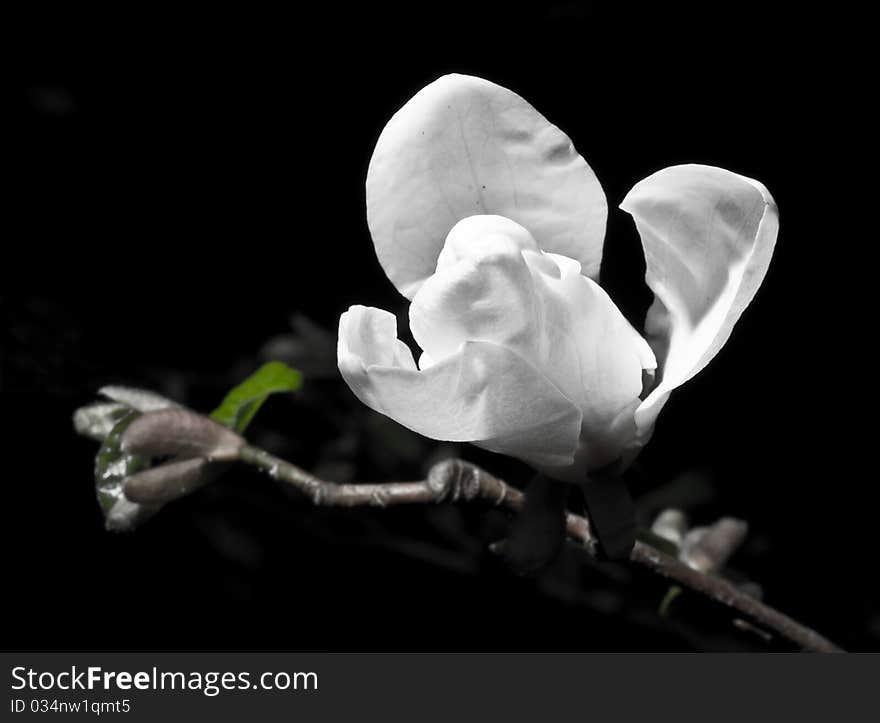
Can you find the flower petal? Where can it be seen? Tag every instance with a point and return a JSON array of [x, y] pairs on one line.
[[482, 291], [463, 146], [484, 393], [541, 307], [708, 236], [586, 335]]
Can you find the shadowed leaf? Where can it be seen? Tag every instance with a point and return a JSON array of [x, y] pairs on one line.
[[611, 512], [538, 531], [112, 466]]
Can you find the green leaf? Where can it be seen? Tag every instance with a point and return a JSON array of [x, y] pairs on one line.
[[666, 603], [112, 466], [242, 403]]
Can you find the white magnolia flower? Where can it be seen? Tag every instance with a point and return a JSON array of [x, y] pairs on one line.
[[484, 216]]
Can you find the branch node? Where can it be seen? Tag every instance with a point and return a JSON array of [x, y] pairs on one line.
[[454, 479]]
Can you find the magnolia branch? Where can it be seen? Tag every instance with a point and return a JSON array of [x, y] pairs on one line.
[[198, 445], [459, 481]]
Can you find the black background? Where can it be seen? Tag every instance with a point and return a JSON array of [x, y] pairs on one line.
[[183, 181]]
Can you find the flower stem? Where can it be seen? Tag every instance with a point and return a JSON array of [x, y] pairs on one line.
[[455, 480]]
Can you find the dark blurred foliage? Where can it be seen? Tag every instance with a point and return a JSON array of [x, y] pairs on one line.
[[184, 182]]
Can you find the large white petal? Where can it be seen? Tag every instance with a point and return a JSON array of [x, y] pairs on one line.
[[463, 146], [581, 322], [540, 306], [482, 291], [483, 393], [708, 236]]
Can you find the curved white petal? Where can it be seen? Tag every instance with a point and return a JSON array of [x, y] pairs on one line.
[[580, 320], [463, 146], [708, 236], [541, 307], [484, 393], [482, 291]]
